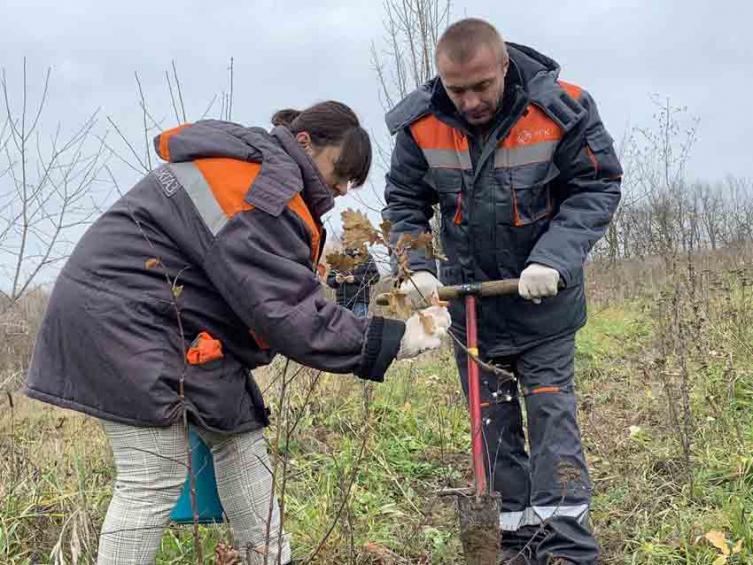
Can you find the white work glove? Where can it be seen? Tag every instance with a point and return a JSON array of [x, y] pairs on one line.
[[420, 286], [339, 279], [417, 339], [538, 281]]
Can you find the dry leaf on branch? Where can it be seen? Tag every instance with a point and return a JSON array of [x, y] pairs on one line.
[[343, 263], [428, 323], [151, 263], [421, 242], [404, 271], [407, 242], [358, 231], [435, 301], [399, 303], [386, 228]]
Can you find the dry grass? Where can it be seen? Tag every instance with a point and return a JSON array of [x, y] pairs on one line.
[[55, 467]]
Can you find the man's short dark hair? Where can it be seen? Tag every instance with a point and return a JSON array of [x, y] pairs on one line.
[[462, 40]]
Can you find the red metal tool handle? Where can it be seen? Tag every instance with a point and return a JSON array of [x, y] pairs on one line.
[[470, 293], [474, 395]]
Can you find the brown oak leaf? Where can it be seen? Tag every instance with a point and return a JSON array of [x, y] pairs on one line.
[[434, 300], [399, 303], [428, 323], [357, 230], [341, 262]]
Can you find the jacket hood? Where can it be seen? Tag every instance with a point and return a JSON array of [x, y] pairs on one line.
[[285, 168], [530, 63]]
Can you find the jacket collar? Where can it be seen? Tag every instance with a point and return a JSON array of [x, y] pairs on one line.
[[317, 195]]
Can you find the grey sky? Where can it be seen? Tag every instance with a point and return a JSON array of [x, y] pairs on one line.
[[293, 53]]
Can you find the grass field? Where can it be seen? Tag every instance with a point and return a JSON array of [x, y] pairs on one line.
[[666, 410]]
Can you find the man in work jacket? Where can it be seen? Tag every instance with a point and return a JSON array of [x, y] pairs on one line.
[[527, 180]]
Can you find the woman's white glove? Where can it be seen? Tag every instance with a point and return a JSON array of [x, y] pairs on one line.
[[420, 286], [424, 331], [538, 281]]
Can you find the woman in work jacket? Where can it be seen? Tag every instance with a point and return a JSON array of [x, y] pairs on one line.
[[203, 270]]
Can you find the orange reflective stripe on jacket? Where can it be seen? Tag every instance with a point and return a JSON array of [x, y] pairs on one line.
[[218, 188], [299, 208], [532, 139], [164, 141], [443, 146], [572, 89], [229, 180]]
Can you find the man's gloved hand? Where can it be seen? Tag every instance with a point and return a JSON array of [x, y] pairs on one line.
[[420, 286], [350, 279], [538, 281], [339, 279], [422, 335]]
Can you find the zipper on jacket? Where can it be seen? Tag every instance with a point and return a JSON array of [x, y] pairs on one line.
[[501, 131], [457, 219]]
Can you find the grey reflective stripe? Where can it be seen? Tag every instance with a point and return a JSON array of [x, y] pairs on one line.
[[533, 516], [194, 183], [447, 159], [513, 521], [524, 155], [546, 512]]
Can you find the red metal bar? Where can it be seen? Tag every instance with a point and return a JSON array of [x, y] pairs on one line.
[[474, 395]]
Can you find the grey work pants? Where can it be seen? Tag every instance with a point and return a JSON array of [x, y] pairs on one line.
[[547, 490], [150, 476]]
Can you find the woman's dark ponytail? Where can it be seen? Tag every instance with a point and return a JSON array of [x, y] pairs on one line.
[[285, 117]]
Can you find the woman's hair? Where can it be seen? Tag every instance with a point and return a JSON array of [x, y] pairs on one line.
[[333, 123]]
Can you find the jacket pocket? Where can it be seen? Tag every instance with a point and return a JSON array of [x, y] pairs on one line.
[[599, 149], [531, 193], [449, 187]]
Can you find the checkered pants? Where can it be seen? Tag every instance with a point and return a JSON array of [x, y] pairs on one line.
[[150, 475]]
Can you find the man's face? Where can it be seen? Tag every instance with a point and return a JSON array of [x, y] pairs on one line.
[[475, 86]]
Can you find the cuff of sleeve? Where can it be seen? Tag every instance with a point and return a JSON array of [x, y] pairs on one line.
[[564, 272], [383, 338]]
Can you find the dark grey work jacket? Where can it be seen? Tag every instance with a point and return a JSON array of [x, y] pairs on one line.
[[233, 222], [541, 188]]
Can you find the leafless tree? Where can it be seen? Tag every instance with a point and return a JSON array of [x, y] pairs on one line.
[[47, 187], [406, 61], [412, 28]]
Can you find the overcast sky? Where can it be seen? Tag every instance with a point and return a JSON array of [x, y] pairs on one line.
[[294, 53]]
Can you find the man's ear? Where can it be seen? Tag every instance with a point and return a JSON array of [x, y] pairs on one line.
[[304, 140]]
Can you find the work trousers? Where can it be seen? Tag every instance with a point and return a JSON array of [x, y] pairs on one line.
[[151, 471], [546, 491]]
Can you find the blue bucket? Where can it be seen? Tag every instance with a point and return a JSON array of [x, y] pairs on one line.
[[207, 499]]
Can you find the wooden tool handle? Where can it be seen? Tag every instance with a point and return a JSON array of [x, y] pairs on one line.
[[488, 288]]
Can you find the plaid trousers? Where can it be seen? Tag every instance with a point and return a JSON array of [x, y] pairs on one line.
[[150, 464]]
